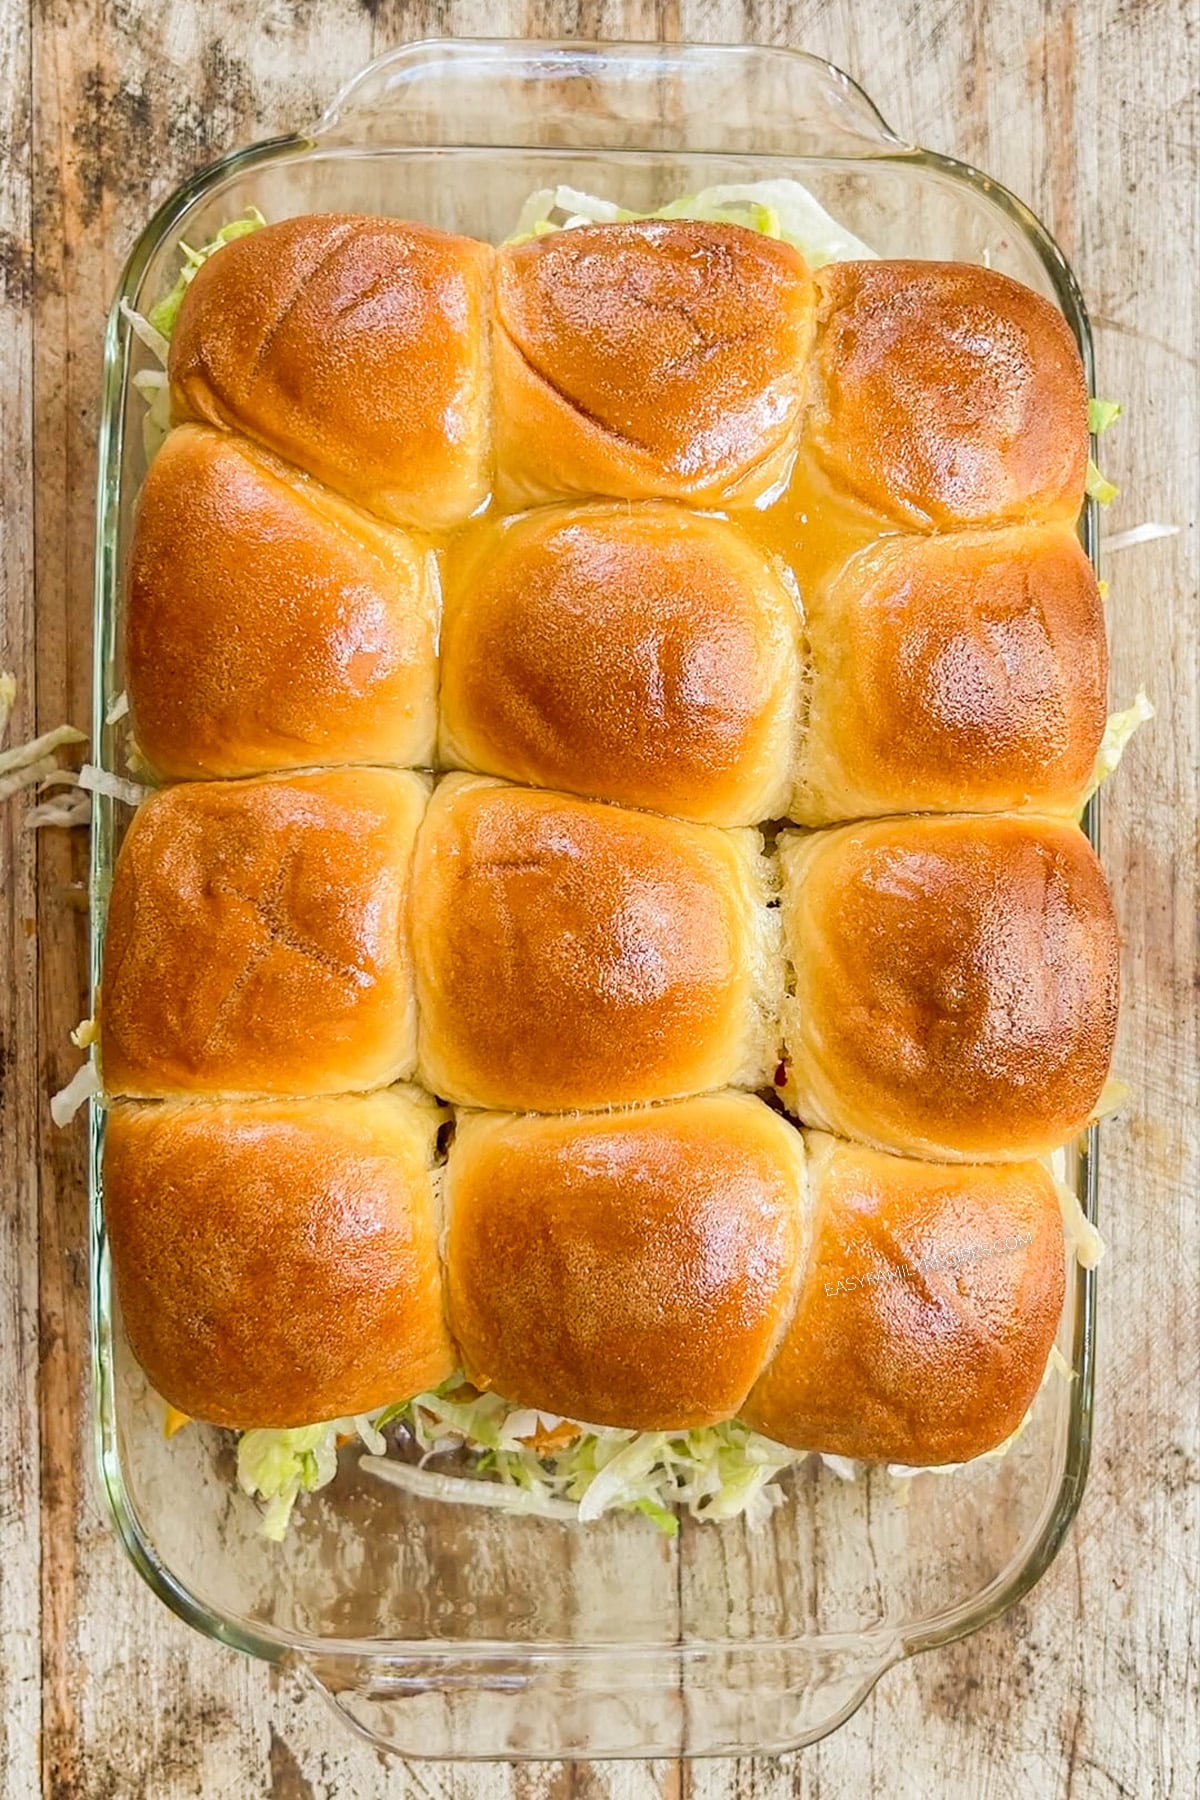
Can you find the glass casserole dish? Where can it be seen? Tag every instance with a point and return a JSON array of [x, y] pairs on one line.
[[441, 1631]]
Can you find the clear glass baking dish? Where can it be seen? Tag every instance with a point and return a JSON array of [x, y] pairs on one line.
[[440, 1631]]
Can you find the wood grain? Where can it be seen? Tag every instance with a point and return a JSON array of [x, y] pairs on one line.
[[1089, 1687]]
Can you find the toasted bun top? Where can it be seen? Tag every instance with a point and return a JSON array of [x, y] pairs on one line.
[[269, 624], [965, 672], [956, 983], [356, 348], [257, 938], [633, 1269], [646, 655], [948, 394], [571, 954], [675, 350], [276, 1261], [927, 1312]]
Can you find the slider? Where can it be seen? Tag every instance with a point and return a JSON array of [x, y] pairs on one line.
[[650, 1257], [258, 939], [269, 624], [954, 984], [641, 654], [659, 358], [964, 672], [576, 955], [276, 1261], [928, 1305], [947, 395], [354, 347]]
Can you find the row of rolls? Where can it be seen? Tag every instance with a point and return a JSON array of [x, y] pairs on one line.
[[883, 609], [938, 986], [417, 372], [619, 1234], [640, 653], [469, 803]]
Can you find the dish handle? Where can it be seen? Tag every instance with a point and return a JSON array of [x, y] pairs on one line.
[[596, 1702], [679, 99]]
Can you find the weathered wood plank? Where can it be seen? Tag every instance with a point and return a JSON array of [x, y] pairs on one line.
[[20, 1615], [1090, 113]]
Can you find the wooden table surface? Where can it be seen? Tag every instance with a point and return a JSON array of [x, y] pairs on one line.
[[1089, 1687]]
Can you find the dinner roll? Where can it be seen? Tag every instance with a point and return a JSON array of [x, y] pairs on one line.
[[955, 983], [269, 624], [965, 672], [632, 1269], [948, 394], [646, 655], [276, 1261], [257, 937], [356, 348], [929, 1304], [656, 358], [571, 954]]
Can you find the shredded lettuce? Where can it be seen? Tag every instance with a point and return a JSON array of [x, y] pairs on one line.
[[516, 1460], [84, 1083], [525, 1461], [32, 764], [117, 787], [1102, 414], [155, 328], [1113, 1096], [277, 1466], [1086, 1243], [1146, 533], [1117, 733], [1098, 485], [155, 389], [162, 318], [21, 756], [781, 209]]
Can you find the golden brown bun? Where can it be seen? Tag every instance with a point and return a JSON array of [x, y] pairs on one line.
[[276, 1260], [257, 939], [948, 394], [964, 673], [354, 347], [927, 1312], [644, 655], [571, 954], [955, 983], [631, 1270], [662, 358], [269, 624]]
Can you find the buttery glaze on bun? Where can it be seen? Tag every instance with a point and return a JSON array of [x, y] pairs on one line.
[[257, 938], [632, 1269], [641, 654], [276, 1261], [653, 359], [927, 1310], [269, 624], [955, 984], [354, 347], [572, 955], [948, 395], [957, 673]]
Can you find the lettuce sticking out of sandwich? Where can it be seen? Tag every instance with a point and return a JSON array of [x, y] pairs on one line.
[[781, 208]]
